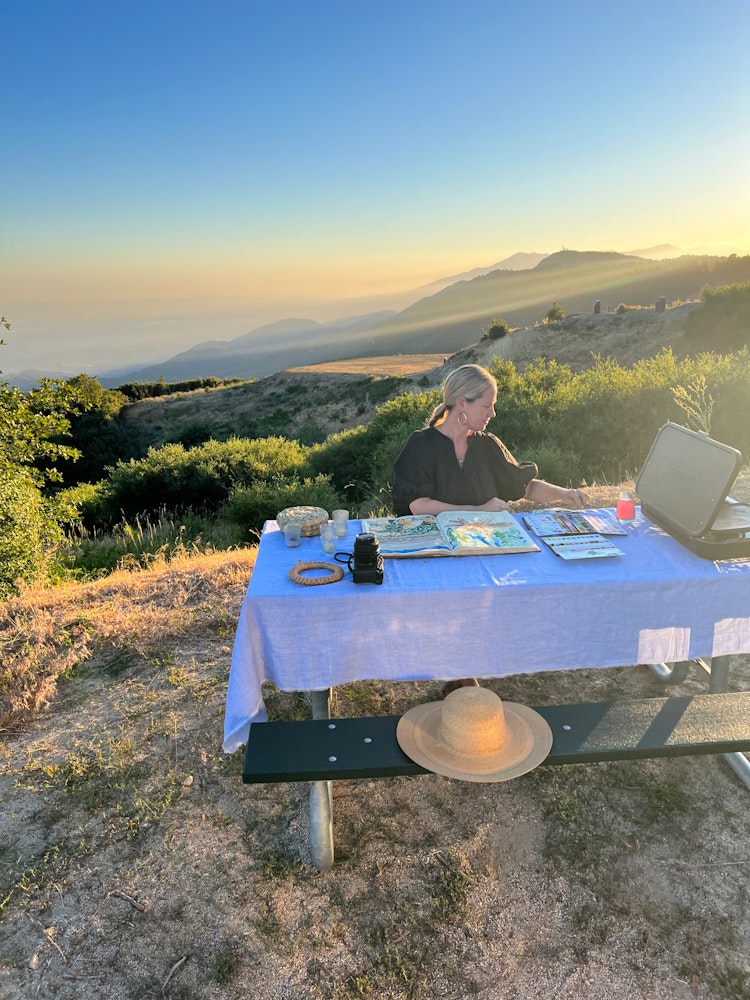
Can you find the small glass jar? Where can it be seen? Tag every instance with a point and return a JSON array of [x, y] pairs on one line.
[[625, 510]]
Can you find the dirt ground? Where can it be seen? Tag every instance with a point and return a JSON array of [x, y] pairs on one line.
[[135, 864]]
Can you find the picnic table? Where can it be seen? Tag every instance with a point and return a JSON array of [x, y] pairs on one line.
[[483, 616]]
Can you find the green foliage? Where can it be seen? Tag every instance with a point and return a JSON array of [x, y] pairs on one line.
[[32, 425], [149, 390], [361, 458], [32, 428], [497, 329], [696, 403], [87, 554], [603, 420], [555, 313], [723, 318], [27, 531], [250, 506], [99, 437], [199, 479], [558, 465]]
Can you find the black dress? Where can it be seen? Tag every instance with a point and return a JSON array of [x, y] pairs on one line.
[[427, 467]]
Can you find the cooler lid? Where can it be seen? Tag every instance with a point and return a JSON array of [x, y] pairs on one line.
[[686, 477]]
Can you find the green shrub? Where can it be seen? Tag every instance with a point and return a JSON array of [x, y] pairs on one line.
[[27, 530], [497, 329], [88, 554], [199, 479], [558, 465], [250, 506], [349, 457], [555, 314], [608, 415], [723, 318]]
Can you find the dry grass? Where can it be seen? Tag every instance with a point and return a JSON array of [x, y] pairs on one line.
[[394, 364], [107, 624]]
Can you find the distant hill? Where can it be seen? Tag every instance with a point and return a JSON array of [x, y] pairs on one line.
[[574, 279], [261, 352], [458, 315], [332, 397], [517, 262], [446, 318]]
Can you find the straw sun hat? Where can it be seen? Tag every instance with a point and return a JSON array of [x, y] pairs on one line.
[[475, 736]]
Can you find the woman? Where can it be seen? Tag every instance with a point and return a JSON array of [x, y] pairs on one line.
[[453, 464]]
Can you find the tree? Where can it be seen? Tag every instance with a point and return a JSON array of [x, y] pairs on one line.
[[555, 313], [31, 424], [99, 437], [30, 427], [498, 328]]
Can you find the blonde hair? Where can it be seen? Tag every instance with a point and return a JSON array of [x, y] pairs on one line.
[[469, 381]]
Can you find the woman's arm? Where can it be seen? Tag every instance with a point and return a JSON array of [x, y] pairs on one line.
[[541, 492], [426, 505]]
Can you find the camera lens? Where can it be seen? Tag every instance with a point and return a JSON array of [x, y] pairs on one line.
[[366, 549]]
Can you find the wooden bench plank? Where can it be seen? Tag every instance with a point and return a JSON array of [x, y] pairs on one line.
[[327, 749]]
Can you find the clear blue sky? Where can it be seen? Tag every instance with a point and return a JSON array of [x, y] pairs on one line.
[[176, 171]]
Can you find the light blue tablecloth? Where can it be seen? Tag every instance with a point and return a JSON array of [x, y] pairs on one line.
[[480, 616]]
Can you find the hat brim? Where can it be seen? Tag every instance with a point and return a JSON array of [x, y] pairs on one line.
[[529, 742]]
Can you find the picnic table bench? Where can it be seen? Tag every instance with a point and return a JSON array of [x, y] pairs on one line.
[[321, 750]]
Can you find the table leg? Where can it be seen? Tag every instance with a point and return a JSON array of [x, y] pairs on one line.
[[674, 673], [321, 798], [718, 682]]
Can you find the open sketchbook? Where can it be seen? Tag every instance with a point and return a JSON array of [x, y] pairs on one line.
[[452, 533]]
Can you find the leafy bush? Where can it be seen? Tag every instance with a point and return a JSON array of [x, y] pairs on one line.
[[723, 319], [199, 479], [250, 506], [555, 314], [87, 554], [149, 390], [558, 465], [357, 459], [97, 433], [608, 415], [497, 329], [27, 532]]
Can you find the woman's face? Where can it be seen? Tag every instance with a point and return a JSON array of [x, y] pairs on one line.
[[480, 411]]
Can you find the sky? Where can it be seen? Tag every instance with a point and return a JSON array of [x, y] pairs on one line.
[[176, 171]]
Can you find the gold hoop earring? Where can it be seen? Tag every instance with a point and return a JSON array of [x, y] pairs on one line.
[[462, 423]]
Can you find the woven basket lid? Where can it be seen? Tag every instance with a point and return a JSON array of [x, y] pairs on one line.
[[310, 519]]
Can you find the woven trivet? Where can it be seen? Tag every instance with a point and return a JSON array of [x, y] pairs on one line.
[[308, 518], [314, 581]]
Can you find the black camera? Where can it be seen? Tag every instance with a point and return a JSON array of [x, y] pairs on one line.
[[366, 562]]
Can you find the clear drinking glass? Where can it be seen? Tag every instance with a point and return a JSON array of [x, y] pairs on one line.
[[328, 538], [292, 535], [340, 522]]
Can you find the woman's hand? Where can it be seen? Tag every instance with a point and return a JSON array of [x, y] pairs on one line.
[[495, 503], [577, 499]]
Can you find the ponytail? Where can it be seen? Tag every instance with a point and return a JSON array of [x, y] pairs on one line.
[[469, 381]]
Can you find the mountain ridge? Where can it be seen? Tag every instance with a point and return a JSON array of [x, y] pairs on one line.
[[448, 318]]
